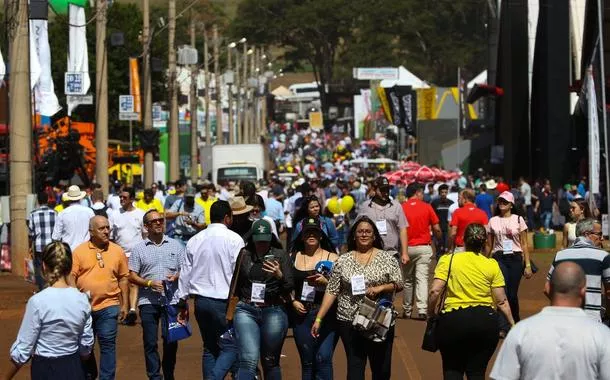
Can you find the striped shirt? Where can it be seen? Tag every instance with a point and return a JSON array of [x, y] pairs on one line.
[[40, 223], [596, 265], [156, 262]]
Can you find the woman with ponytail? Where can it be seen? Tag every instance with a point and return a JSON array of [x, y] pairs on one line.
[[56, 328], [467, 331]]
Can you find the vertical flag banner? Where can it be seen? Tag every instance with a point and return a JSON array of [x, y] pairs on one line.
[[78, 58], [2, 70], [384, 104], [46, 102], [594, 157], [134, 86]]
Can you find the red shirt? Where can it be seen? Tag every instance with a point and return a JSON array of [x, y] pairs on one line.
[[463, 216], [420, 216], [502, 187]]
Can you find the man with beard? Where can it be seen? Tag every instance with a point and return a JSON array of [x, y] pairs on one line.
[[388, 217]]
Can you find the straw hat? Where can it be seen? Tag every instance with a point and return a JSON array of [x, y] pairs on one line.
[[74, 194], [491, 184], [239, 206]]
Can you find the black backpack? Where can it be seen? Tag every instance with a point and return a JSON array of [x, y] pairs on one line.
[[101, 211]]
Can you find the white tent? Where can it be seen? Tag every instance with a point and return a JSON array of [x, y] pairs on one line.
[[405, 78], [282, 92], [479, 79]]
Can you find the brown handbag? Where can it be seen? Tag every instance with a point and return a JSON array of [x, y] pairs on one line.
[[233, 299]]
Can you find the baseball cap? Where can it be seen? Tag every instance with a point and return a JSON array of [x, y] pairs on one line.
[[382, 181], [311, 224], [190, 192], [261, 230], [507, 196]]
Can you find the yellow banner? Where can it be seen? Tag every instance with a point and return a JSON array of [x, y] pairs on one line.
[[426, 103], [134, 86], [315, 120], [384, 104]]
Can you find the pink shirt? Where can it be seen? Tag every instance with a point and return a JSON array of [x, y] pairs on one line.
[[505, 230]]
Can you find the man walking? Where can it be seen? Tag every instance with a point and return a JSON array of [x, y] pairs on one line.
[[127, 232], [462, 217], [560, 342], [421, 218], [72, 224], [441, 206], [188, 217], [99, 269], [586, 252], [526, 192], [206, 199], [153, 265], [40, 225], [206, 273], [388, 217]]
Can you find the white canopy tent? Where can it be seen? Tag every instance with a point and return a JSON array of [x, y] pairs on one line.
[[405, 78], [479, 79]]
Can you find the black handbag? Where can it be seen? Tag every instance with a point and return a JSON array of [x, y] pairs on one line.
[[430, 342]]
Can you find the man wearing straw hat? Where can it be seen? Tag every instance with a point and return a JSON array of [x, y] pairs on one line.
[[72, 224]]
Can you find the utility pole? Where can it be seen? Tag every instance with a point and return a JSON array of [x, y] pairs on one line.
[[101, 86], [230, 96], [257, 74], [219, 134], [147, 106], [174, 143], [20, 134], [246, 105], [252, 109], [194, 101], [238, 131], [206, 67]]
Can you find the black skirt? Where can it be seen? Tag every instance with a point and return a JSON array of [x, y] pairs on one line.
[[69, 367]]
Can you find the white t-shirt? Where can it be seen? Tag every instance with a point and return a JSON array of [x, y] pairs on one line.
[[526, 191], [114, 202], [557, 343], [127, 227]]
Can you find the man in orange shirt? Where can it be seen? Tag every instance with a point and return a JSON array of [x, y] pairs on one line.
[[99, 269], [421, 218], [467, 213]]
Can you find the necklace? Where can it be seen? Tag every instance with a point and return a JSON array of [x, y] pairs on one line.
[[370, 255]]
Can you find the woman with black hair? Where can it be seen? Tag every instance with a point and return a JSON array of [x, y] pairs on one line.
[[311, 208], [365, 270], [467, 330], [579, 210]]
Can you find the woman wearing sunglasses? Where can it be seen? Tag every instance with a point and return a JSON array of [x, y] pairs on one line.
[[507, 239], [311, 208], [312, 266]]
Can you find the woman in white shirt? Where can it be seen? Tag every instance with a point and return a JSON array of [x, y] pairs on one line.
[[56, 329]]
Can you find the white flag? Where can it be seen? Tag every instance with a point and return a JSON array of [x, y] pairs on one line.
[[2, 70], [40, 60], [78, 58], [594, 159]]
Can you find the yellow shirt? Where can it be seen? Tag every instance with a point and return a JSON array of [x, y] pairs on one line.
[[471, 279], [206, 205], [59, 208], [155, 204]]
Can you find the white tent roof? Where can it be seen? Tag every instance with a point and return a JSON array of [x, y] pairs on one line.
[[282, 92], [479, 79], [405, 78]]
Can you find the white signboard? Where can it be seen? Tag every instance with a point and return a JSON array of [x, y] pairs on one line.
[[126, 104], [73, 83], [80, 99], [129, 116], [375, 73]]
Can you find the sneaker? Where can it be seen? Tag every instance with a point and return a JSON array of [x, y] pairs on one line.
[[130, 319], [406, 315]]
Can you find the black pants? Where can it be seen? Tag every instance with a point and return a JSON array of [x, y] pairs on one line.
[[467, 339], [512, 270], [359, 348], [69, 367]]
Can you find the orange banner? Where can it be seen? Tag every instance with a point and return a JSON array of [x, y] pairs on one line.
[[134, 86]]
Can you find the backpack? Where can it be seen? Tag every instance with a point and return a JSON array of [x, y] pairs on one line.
[[101, 211]]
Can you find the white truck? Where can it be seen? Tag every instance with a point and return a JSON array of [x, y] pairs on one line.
[[239, 162]]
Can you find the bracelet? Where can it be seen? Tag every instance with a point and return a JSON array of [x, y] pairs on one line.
[[149, 283], [318, 320]]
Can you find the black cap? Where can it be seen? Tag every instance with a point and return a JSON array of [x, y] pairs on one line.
[[311, 224], [382, 181]]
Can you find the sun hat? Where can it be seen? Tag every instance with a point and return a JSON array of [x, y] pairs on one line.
[[74, 193], [261, 230], [239, 206], [507, 196], [491, 184]]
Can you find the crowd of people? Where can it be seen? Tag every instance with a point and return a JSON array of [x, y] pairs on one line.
[[323, 255]]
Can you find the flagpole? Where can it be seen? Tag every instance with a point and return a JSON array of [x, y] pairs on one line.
[[600, 24], [459, 118]]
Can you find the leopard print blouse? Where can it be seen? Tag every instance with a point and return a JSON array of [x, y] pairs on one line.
[[382, 269]]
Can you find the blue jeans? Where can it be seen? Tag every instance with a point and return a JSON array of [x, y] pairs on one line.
[[316, 353], [37, 261], [260, 333], [150, 316], [105, 325], [545, 218], [512, 267], [211, 318]]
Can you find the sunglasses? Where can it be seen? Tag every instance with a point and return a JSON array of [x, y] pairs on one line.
[[155, 221], [100, 259]]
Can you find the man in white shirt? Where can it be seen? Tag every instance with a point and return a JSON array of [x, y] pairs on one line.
[[206, 273], [127, 231], [72, 224], [560, 342], [113, 199], [526, 192]]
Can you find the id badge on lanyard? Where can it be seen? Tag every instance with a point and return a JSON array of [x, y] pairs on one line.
[[258, 292], [358, 285]]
